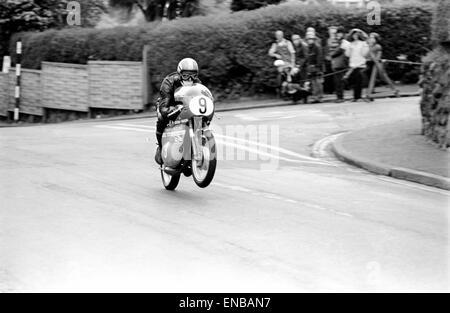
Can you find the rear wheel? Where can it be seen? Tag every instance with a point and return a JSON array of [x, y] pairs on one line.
[[203, 170], [170, 182]]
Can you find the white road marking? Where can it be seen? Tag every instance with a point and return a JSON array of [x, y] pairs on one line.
[[278, 115], [138, 125], [319, 149], [246, 117], [230, 141], [273, 148], [273, 196], [266, 154], [124, 128]]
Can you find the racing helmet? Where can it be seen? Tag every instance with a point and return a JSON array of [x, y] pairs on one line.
[[188, 69]]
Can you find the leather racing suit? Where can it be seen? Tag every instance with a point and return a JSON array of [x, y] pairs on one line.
[[166, 101]]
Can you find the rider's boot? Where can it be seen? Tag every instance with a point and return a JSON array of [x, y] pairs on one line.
[[187, 171], [158, 157]]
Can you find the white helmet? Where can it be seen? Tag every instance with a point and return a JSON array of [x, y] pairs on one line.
[[187, 64], [188, 71]]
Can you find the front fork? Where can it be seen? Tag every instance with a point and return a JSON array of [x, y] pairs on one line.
[[196, 134]]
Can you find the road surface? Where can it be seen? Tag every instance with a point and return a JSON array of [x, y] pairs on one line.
[[83, 209]]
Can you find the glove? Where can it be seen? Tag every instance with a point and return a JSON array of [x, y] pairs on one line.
[[173, 113]]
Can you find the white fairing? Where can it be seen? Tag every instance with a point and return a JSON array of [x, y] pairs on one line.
[[172, 146], [201, 106], [186, 93]]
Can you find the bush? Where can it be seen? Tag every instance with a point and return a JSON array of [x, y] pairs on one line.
[[441, 22], [230, 48], [435, 103], [239, 5]]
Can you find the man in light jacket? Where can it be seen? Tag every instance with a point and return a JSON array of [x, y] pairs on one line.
[[339, 61], [357, 52]]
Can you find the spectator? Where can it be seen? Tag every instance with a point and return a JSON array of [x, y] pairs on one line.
[[314, 63], [357, 53], [312, 30], [282, 49], [301, 51], [336, 50], [330, 45], [375, 66], [320, 79]]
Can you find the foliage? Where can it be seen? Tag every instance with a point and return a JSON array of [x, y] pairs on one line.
[[239, 5], [38, 15], [441, 22], [232, 49], [159, 9]]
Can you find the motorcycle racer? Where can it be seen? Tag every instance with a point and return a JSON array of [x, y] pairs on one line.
[[186, 75]]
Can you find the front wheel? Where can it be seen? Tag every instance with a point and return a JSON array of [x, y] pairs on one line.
[[203, 171], [170, 182]]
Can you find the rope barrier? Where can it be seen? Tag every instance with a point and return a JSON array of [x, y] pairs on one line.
[[401, 62], [347, 69], [321, 76]]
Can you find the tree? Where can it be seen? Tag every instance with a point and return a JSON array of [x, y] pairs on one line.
[[159, 9], [239, 5], [38, 15], [211, 7]]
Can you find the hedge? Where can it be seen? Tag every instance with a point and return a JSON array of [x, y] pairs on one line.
[[239, 5], [231, 48], [435, 82], [441, 22]]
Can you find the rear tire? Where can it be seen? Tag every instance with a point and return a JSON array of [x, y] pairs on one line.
[[170, 182], [202, 177]]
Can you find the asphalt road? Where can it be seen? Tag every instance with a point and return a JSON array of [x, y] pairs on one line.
[[82, 208]]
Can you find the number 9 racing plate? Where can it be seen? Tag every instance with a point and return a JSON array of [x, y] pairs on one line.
[[201, 106]]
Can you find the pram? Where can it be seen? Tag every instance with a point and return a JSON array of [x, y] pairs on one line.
[[292, 83]]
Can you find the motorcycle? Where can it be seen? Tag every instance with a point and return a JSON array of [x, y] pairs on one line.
[[188, 145]]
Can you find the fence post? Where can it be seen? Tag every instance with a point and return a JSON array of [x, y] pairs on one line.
[[146, 79], [18, 76]]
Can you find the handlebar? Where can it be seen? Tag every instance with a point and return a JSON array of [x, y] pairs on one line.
[[180, 107]]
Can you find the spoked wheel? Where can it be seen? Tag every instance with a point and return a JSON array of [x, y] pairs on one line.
[[203, 170], [170, 182]]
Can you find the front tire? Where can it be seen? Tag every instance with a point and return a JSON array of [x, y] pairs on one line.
[[170, 182], [203, 172]]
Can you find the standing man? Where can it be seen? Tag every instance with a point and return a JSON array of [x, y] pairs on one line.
[[282, 49], [357, 53], [375, 66], [330, 44], [337, 47], [314, 63], [312, 30], [301, 52]]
